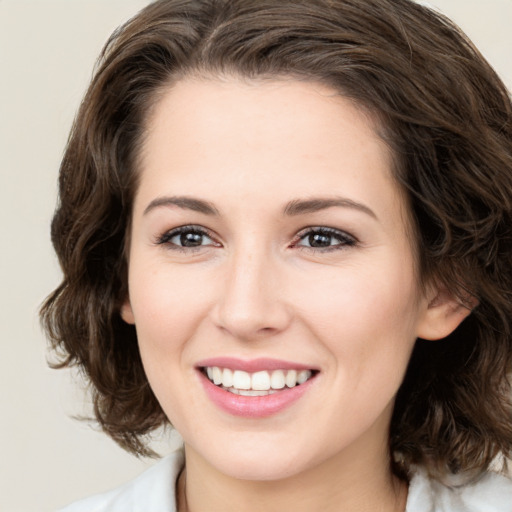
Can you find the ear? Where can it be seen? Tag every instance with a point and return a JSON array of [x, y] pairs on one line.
[[127, 312], [443, 313]]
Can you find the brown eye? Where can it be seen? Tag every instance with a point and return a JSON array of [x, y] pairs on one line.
[[320, 240], [189, 239]]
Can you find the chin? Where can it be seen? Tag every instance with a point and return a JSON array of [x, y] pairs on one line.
[[257, 461], [243, 468]]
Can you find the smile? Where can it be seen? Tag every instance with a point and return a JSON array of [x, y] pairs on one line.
[[257, 388], [259, 383]]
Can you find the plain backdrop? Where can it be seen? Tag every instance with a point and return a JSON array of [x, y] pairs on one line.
[[47, 52]]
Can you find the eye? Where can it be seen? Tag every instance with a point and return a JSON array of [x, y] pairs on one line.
[[322, 238], [186, 237]]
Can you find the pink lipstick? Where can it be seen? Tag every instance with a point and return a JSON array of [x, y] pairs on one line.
[[255, 388]]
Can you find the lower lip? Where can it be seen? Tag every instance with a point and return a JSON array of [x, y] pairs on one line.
[[254, 406]]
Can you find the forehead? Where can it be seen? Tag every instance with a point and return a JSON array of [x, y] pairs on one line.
[[232, 138]]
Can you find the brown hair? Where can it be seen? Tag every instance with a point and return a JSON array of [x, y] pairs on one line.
[[448, 119]]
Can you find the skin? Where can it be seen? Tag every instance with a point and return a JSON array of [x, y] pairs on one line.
[[256, 288]]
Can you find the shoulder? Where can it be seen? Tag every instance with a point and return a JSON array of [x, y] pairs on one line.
[[152, 491], [491, 492]]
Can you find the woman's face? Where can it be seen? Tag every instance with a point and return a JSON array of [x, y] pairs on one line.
[[269, 247]]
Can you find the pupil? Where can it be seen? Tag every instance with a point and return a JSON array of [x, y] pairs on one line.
[[319, 240], [191, 239]]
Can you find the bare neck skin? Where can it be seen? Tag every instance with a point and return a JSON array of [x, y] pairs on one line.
[[354, 481]]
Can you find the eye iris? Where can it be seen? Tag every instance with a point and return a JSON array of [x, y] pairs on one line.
[[191, 239], [319, 240]]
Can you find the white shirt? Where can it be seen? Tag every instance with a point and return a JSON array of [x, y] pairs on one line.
[[154, 491]]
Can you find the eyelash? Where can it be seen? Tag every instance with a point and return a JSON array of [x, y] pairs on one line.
[[345, 240]]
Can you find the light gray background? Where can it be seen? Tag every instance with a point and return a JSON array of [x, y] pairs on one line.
[[47, 52]]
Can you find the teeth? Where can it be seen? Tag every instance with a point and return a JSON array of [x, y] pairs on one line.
[[250, 392], [258, 383], [217, 375], [277, 380], [291, 378], [303, 376], [227, 377], [241, 380]]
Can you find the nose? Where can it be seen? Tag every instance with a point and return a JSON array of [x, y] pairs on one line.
[[251, 303]]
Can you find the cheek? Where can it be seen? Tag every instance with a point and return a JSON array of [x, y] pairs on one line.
[[366, 319], [168, 305], [168, 308], [360, 297]]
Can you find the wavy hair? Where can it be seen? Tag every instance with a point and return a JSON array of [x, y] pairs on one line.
[[443, 111]]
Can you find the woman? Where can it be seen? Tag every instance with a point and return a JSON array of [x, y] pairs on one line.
[[285, 229]]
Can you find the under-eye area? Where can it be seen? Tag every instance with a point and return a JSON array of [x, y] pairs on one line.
[[260, 383]]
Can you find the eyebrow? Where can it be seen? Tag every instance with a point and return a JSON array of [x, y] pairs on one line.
[[315, 204], [295, 207], [184, 202]]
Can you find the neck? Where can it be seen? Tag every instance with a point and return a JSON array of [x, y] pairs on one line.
[[345, 482]]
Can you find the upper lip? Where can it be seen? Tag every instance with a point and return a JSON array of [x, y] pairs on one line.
[[252, 365]]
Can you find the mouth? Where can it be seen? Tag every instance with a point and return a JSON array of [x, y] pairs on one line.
[[260, 383], [255, 388]]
